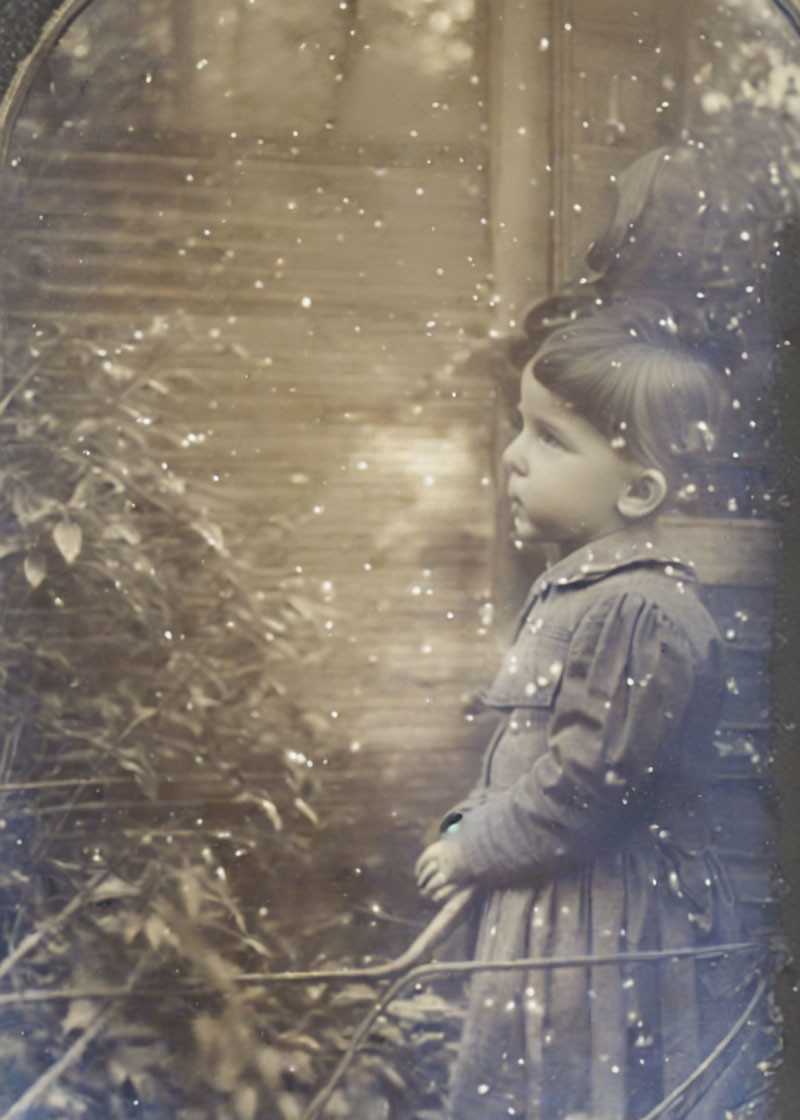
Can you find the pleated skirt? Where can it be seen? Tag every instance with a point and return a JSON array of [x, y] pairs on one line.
[[612, 1042]]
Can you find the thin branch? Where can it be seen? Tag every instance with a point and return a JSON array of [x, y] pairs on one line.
[[400, 985], [19, 385], [19, 1110], [60, 783], [10, 744], [43, 1084], [32, 940], [381, 972]]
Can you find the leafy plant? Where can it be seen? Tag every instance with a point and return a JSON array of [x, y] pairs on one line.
[[156, 796]]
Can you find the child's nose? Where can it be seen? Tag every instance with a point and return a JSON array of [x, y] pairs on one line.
[[511, 457]]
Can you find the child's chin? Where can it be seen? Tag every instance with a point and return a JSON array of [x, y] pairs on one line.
[[524, 532]]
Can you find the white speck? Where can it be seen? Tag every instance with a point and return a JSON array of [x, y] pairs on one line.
[[201, 64], [305, 301], [544, 43]]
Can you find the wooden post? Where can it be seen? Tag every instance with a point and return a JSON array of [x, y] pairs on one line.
[[520, 122]]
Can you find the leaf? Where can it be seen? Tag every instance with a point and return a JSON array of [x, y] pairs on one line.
[[35, 568], [80, 1014], [156, 931], [306, 810], [29, 508], [9, 546], [270, 1065], [114, 887], [211, 534], [303, 606], [131, 927], [257, 947], [289, 1106], [245, 1102], [425, 1007], [68, 538], [377, 1065], [269, 807], [122, 531], [158, 386], [192, 893], [316, 723], [128, 1060], [354, 993]]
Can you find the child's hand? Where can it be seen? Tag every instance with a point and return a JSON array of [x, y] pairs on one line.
[[435, 872]]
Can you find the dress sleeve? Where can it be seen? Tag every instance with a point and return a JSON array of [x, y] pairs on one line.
[[627, 680]]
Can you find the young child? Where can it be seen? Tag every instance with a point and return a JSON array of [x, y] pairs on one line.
[[588, 833]]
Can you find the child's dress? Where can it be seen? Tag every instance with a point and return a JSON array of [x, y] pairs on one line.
[[589, 833]]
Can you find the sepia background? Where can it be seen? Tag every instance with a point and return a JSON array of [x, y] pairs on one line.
[[258, 262]]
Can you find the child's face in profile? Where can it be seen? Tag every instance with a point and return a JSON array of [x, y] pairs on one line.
[[565, 478]]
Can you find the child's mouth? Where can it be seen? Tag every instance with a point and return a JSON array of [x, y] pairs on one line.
[[517, 510]]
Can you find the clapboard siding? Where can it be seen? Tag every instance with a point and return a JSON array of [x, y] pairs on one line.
[[356, 410], [130, 231]]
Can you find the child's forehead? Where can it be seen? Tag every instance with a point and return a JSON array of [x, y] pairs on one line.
[[535, 394]]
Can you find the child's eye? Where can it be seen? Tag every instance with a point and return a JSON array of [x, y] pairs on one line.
[[550, 438]]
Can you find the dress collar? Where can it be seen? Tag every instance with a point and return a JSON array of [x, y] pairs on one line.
[[619, 550]]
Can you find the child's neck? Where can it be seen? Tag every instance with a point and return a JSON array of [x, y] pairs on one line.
[[630, 533]]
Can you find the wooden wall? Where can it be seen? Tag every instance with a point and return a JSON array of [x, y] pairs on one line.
[[357, 275]]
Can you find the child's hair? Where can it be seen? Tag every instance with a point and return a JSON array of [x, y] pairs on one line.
[[623, 369]]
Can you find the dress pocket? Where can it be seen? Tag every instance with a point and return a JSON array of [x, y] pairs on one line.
[[531, 671]]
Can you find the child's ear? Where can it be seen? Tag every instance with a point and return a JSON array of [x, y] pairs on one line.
[[644, 495]]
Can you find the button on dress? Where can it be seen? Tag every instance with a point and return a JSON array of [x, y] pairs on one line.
[[589, 833]]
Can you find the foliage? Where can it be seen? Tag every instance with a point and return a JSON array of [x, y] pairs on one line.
[[158, 804], [435, 35], [744, 53]]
